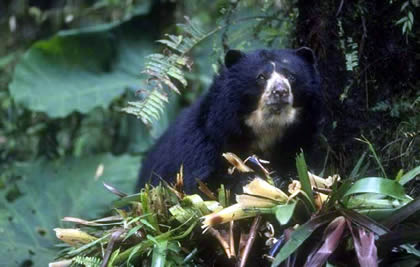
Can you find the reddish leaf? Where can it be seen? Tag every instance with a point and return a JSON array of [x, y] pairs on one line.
[[364, 244], [332, 237]]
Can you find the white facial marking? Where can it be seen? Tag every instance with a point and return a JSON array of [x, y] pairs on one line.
[[267, 125], [277, 78]]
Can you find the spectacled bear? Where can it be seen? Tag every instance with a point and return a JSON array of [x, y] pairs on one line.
[[264, 102]]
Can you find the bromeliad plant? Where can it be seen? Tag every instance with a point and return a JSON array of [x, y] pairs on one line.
[[147, 232], [366, 212], [317, 220]]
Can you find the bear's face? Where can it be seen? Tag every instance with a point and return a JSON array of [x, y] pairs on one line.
[[273, 86]]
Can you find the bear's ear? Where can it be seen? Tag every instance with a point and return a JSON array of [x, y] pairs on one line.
[[232, 57], [307, 54]]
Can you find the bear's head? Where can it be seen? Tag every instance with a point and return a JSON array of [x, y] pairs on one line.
[[266, 90]]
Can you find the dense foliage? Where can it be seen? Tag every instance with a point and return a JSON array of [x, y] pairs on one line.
[[69, 68], [159, 225]]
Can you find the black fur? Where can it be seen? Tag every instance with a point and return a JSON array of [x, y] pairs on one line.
[[214, 124]]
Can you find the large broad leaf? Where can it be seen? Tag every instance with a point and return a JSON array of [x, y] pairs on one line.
[[378, 185], [52, 190], [79, 70]]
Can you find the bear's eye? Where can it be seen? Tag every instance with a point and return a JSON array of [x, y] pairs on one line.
[[291, 77], [261, 78]]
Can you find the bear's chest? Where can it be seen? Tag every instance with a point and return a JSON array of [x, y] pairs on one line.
[[269, 128]]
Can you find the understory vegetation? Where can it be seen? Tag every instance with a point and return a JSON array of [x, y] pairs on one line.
[[73, 74]]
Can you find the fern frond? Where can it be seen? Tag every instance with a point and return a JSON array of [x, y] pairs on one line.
[[151, 107], [166, 70], [88, 261]]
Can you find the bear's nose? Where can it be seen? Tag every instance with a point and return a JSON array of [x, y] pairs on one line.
[[280, 91]]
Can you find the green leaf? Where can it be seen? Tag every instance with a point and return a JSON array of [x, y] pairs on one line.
[[52, 190], [375, 156], [222, 196], [409, 175], [6, 60], [402, 213], [114, 255], [404, 5], [89, 245], [355, 173], [190, 256], [410, 17], [338, 192], [304, 179], [373, 201], [132, 231], [88, 261], [79, 70], [151, 220], [379, 186], [145, 222], [170, 44], [284, 212], [159, 253], [176, 73], [401, 20], [399, 175]]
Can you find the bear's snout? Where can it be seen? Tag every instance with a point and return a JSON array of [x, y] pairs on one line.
[[280, 93], [278, 96]]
